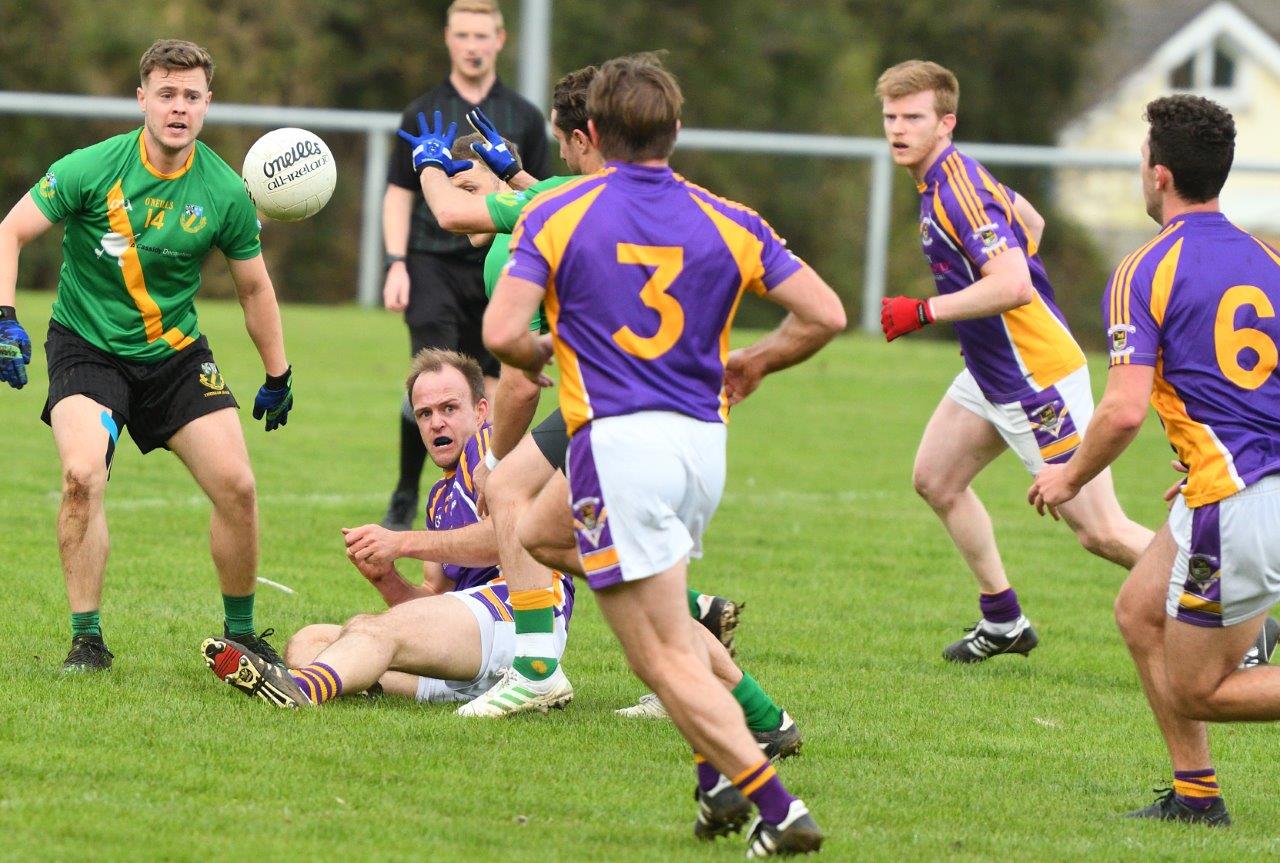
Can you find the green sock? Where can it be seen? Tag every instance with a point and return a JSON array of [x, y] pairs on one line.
[[535, 618], [238, 613], [694, 596], [86, 623], [762, 714]]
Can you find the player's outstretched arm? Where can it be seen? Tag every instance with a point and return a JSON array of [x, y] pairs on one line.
[[456, 210], [24, 223], [262, 319], [472, 545], [1115, 424], [816, 317]]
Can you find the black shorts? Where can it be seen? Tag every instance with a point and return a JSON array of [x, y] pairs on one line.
[[446, 307], [154, 399], [552, 437]]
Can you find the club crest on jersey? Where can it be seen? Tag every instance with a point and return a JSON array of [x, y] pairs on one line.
[[1118, 336], [1049, 419], [48, 185], [1202, 568], [211, 378], [926, 231], [589, 518], [988, 236], [193, 219]]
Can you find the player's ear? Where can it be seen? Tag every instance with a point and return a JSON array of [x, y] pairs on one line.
[[142, 99], [948, 122], [593, 133]]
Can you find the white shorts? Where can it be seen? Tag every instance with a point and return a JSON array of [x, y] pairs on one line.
[[643, 488], [497, 651], [1227, 568], [1044, 428]]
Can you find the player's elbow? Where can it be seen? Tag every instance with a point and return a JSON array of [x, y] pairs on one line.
[[833, 319], [453, 220], [1127, 418], [499, 333], [1021, 292]]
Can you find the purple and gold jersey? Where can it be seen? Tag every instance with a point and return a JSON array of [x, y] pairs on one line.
[[967, 219], [451, 504], [1199, 303], [643, 272]]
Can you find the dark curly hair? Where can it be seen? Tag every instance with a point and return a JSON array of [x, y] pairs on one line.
[[569, 99], [1195, 139]]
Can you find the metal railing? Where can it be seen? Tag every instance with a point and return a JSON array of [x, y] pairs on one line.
[[379, 126]]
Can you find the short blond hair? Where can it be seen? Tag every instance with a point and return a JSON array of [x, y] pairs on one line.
[[918, 76], [476, 7], [174, 54]]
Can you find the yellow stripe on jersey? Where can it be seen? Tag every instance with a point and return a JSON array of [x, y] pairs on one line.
[[1124, 277], [1010, 211], [746, 250], [1270, 252], [1046, 348], [551, 242], [1209, 469], [134, 282], [1058, 447], [1162, 283], [435, 499], [943, 220], [958, 182], [733, 205]]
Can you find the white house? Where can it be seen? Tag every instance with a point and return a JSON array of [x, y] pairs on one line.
[[1227, 50]]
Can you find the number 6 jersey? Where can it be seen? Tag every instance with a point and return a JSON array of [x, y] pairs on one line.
[[1199, 303], [643, 272]]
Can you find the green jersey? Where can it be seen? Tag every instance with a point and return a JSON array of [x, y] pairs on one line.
[[505, 209], [135, 239]]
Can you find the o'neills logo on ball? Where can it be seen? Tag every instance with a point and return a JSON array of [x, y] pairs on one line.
[[296, 153]]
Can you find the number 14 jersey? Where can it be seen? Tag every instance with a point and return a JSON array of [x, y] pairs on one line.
[[643, 272], [1199, 303]]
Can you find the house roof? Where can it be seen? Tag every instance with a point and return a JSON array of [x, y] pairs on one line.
[[1138, 28]]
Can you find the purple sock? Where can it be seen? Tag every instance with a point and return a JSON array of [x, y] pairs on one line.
[[1196, 789], [320, 682], [1000, 607], [708, 776], [762, 785]]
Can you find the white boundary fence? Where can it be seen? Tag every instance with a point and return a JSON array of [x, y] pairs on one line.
[[379, 126]]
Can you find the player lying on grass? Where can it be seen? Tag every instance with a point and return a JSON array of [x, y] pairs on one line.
[[451, 637], [1190, 318], [1024, 386], [468, 199]]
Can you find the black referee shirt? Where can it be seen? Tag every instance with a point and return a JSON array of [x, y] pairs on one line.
[[517, 120]]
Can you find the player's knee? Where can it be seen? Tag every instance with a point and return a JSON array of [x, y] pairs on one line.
[[1101, 540], [1193, 699], [83, 482], [934, 492], [239, 495], [534, 539], [1137, 626], [369, 625], [308, 642]]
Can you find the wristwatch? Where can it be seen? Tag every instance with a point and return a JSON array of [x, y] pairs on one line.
[[388, 259]]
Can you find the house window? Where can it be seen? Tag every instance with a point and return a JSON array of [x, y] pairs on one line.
[[1213, 67], [1224, 69]]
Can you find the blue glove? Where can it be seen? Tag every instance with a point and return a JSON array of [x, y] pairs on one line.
[[431, 149], [15, 349], [275, 400], [493, 152]]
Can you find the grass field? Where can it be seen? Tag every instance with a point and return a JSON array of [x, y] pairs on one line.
[[852, 590]]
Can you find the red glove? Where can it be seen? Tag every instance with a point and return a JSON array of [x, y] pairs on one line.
[[901, 315]]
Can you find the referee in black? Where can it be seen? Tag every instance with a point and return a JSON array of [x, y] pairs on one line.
[[433, 276]]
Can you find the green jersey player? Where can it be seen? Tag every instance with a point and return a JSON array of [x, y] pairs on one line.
[[141, 212]]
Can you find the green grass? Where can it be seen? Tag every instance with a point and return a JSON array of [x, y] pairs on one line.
[[853, 588]]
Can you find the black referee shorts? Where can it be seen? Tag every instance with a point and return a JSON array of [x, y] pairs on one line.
[[446, 306], [155, 400]]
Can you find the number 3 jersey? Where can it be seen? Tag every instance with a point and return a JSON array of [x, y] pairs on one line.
[[1199, 303], [135, 239], [643, 272]]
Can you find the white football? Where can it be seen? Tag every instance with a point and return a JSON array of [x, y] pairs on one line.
[[289, 174]]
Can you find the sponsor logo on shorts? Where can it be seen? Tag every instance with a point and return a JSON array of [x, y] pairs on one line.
[[193, 219], [1049, 418], [48, 185], [211, 379], [589, 518], [1202, 568], [1118, 336]]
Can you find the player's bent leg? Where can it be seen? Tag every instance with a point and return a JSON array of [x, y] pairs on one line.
[[309, 642], [649, 618], [85, 446], [546, 529], [1101, 525]]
